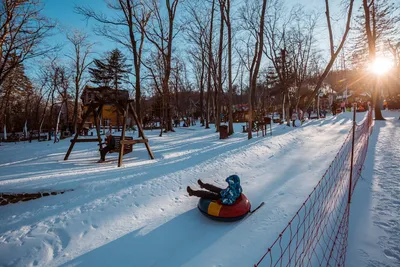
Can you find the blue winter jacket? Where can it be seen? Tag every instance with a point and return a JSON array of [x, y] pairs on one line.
[[232, 192]]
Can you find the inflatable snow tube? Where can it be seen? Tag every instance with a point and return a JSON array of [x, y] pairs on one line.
[[215, 210]]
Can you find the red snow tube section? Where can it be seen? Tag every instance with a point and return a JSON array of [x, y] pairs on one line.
[[214, 209]]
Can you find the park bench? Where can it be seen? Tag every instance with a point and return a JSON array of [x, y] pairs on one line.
[[128, 143], [43, 137], [117, 144]]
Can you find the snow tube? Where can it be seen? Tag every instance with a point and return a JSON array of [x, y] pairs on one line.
[[214, 209]]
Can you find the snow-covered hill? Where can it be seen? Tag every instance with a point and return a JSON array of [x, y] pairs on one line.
[[141, 215]]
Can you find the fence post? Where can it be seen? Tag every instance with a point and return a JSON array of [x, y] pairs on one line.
[[352, 151]]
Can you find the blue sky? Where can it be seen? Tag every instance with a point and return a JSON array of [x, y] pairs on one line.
[[63, 11]]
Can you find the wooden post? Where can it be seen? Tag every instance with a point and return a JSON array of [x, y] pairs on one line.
[[122, 145], [71, 146], [140, 129], [352, 151]]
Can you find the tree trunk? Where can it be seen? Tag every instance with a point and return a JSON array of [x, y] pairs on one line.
[[162, 115], [208, 101], [283, 106], [288, 118], [66, 110], [167, 72], [43, 115], [209, 67], [136, 59], [371, 37], [256, 65], [202, 89], [51, 112], [250, 112], [26, 112], [376, 101], [37, 120], [230, 94], [58, 122], [5, 127], [220, 50], [76, 103], [177, 91]]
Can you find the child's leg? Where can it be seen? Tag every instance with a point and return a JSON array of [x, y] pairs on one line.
[[212, 188], [203, 194]]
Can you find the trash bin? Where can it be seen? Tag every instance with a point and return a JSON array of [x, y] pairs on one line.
[[223, 131]]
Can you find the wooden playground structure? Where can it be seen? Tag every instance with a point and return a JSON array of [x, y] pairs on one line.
[[94, 99]]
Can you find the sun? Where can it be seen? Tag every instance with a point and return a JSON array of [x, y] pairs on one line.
[[380, 66]]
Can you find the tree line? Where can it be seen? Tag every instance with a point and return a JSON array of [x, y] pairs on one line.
[[175, 56]]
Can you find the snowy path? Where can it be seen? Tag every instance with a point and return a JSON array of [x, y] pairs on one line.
[[140, 215], [374, 238]]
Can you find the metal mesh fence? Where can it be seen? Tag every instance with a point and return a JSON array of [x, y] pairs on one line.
[[317, 233]]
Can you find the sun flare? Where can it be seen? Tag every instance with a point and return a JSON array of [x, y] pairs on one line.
[[380, 66]]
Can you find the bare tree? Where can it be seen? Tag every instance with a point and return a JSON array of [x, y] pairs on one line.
[[301, 40], [196, 32], [333, 53], [227, 19], [47, 80], [289, 42], [209, 65], [378, 21], [219, 89], [63, 88], [250, 15], [154, 64], [40, 92], [54, 88], [128, 29], [22, 31], [181, 84], [81, 51], [395, 50], [161, 34]]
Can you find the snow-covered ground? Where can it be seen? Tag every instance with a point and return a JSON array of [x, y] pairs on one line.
[[374, 236], [141, 215]]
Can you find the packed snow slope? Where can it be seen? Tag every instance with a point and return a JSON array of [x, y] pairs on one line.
[[141, 215], [374, 235]]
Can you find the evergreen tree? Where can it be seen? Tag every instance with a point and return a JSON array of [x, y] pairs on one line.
[[100, 74], [110, 71], [117, 68]]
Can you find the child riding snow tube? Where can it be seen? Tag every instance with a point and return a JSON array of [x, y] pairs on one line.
[[214, 209]]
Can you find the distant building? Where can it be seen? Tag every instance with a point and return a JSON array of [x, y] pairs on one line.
[[110, 115]]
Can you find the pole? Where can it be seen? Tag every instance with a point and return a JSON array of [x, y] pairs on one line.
[[122, 144], [352, 150]]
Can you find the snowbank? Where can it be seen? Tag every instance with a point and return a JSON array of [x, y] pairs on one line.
[[374, 234]]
